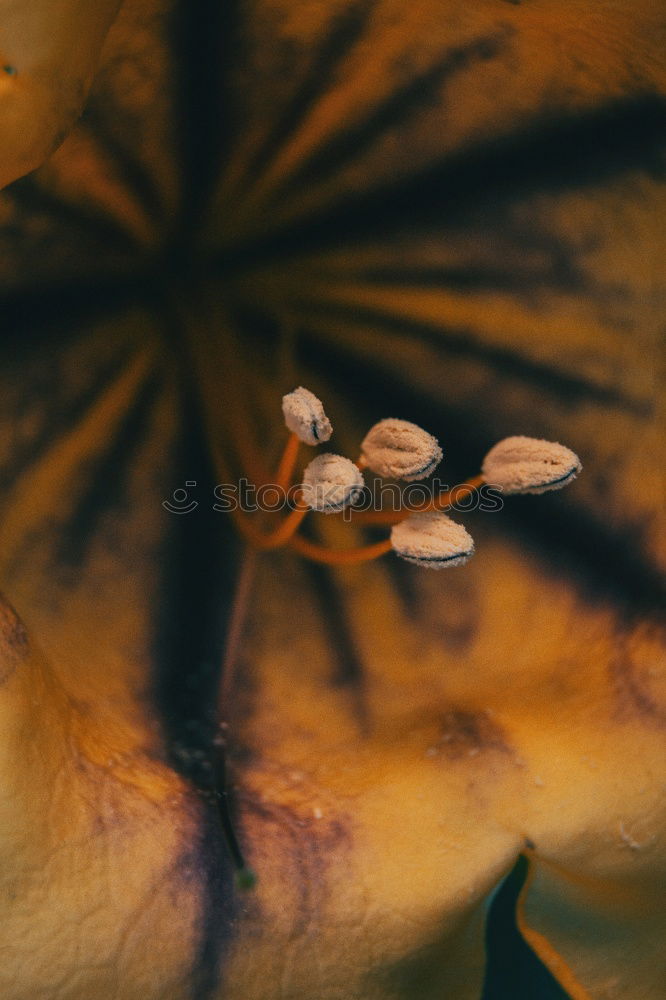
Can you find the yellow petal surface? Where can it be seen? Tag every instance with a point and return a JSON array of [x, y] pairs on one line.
[[446, 213]]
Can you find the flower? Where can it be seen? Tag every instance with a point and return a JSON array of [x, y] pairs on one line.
[[442, 210]]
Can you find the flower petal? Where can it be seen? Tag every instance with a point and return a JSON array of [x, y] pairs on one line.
[[452, 207]]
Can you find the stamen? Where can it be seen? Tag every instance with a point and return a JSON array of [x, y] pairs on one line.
[[432, 540], [397, 449], [331, 483], [304, 415], [530, 465], [421, 534]]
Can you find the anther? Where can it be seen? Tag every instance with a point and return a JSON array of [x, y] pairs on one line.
[[432, 540], [304, 415], [398, 449], [529, 465], [330, 483]]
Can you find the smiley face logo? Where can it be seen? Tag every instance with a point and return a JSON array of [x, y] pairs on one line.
[[180, 502]]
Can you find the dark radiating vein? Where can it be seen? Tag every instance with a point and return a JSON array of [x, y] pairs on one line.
[[96, 225], [463, 343], [344, 32], [522, 259], [200, 558], [473, 278], [38, 316], [108, 476], [136, 177], [508, 362], [402, 584], [60, 420], [607, 563], [197, 568], [206, 46], [348, 663], [420, 91], [549, 156]]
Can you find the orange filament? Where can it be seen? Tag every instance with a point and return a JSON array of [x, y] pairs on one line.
[[339, 557], [269, 540], [285, 470], [274, 539], [286, 532], [446, 498], [449, 498]]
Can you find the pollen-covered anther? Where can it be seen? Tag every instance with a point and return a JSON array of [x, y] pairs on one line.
[[433, 540], [304, 415], [530, 465], [398, 449], [331, 483]]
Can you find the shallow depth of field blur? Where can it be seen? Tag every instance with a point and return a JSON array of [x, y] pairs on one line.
[[448, 784]]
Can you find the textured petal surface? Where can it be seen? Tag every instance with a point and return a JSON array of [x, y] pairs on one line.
[[447, 212]]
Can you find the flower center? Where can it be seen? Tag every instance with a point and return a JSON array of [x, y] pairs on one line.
[[421, 531]]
